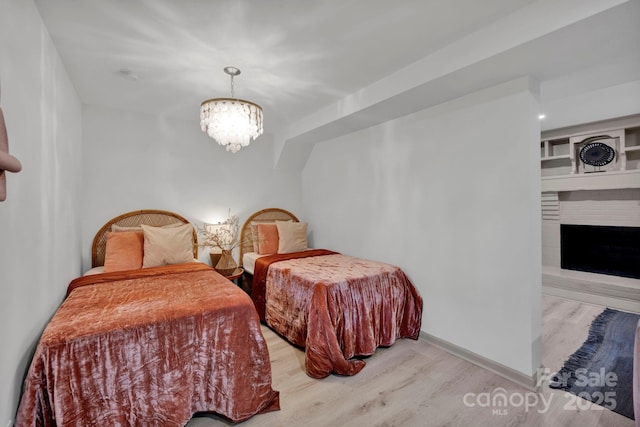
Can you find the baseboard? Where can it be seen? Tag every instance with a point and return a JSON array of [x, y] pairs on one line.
[[526, 381]]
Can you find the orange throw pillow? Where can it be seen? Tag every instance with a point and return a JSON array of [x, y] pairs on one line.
[[267, 239], [124, 251]]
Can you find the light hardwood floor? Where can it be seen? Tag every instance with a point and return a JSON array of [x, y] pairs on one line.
[[414, 383]]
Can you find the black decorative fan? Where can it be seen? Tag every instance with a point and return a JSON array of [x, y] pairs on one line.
[[597, 154]]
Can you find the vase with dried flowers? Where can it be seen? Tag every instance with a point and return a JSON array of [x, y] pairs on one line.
[[223, 235]]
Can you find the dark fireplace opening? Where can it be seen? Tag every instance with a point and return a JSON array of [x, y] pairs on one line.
[[601, 249]]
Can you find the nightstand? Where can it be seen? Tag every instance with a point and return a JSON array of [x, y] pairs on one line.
[[236, 274]]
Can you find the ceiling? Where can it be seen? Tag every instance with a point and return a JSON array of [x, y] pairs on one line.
[[297, 57]]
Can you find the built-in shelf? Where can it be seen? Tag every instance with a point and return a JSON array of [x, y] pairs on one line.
[[544, 159], [563, 170], [554, 149], [611, 198], [595, 181]]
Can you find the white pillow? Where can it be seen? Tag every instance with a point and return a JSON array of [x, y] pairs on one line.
[[165, 246], [292, 236], [94, 270]]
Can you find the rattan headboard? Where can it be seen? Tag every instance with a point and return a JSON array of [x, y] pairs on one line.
[[151, 217], [265, 215]]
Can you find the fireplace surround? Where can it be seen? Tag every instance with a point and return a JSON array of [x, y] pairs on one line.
[[591, 207], [611, 250]]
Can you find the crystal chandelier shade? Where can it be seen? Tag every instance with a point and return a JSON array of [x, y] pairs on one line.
[[232, 122]]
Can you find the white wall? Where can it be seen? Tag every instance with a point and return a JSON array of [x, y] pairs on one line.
[[136, 161], [591, 106], [39, 221], [452, 195]]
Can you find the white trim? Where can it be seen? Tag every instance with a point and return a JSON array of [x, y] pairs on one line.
[[616, 292], [526, 381], [600, 300]]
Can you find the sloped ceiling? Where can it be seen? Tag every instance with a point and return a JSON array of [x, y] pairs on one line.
[[322, 68]]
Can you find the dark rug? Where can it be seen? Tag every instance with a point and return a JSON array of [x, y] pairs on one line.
[[602, 369]]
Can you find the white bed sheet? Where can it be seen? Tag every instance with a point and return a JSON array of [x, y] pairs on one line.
[[100, 270], [94, 270], [249, 261]]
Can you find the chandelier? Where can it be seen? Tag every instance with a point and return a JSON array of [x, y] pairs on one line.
[[232, 122]]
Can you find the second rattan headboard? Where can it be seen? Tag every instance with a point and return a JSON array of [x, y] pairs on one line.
[[265, 215], [153, 217]]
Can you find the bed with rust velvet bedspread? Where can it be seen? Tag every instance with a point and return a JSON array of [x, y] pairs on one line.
[[149, 347], [336, 306]]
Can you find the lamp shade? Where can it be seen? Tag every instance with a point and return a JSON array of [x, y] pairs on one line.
[[214, 228]]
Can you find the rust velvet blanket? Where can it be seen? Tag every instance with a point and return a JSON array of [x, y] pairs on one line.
[[149, 347], [338, 307]]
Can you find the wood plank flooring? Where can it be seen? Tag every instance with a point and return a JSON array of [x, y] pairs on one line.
[[414, 383]]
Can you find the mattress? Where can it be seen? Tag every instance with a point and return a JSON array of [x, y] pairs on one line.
[[249, 261], [149, 347], [335, 306]]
